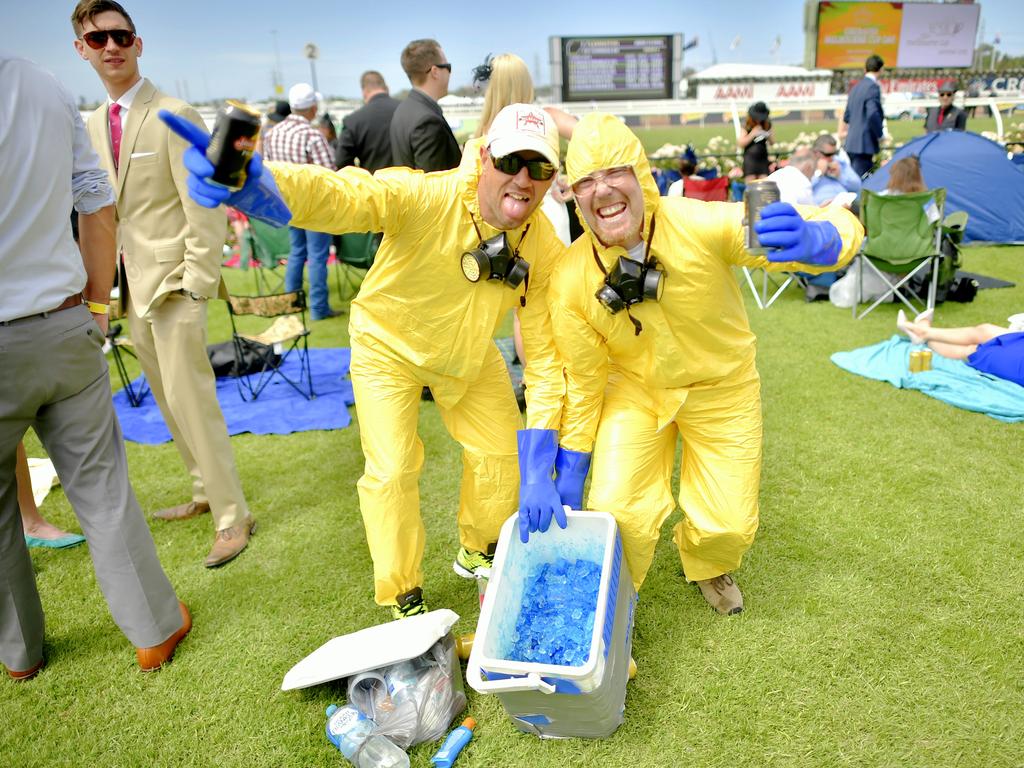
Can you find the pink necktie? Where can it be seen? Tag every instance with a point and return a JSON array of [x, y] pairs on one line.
[[115, 131]]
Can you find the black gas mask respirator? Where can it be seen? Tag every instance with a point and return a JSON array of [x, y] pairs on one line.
[[634, 278], [494, 260]]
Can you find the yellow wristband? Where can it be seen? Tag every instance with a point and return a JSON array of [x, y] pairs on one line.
[[97, 308]]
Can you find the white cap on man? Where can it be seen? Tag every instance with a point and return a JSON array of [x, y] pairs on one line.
[[523, 127], [302, 96]]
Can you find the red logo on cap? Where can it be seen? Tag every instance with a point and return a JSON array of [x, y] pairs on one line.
[[530, 121]]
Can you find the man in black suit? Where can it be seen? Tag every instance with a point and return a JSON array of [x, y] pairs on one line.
[[945, 117], [420, 136], [366, 133], [863, 118]]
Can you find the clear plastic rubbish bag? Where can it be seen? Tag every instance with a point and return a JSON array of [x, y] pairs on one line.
[[843, 292], [415, 700]]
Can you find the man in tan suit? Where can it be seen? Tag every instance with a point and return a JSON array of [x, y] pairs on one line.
[[171, 251]]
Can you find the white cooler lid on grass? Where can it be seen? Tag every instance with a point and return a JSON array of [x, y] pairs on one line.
[[370, 648]]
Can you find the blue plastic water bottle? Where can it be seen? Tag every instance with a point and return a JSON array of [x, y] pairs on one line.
[[351, 732]]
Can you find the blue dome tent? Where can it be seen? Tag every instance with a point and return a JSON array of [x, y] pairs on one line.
[[978, 179]]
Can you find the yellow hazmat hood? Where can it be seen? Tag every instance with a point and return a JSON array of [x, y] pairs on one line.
[[602, 141]]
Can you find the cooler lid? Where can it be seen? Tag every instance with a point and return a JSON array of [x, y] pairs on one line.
[[370, 648]]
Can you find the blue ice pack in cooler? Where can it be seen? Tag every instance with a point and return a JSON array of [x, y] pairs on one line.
[[583, 694]]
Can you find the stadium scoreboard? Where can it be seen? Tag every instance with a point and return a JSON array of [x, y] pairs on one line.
[[621, 67]]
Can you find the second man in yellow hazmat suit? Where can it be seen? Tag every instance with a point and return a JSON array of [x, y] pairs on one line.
[[654, 336], [460, 249]]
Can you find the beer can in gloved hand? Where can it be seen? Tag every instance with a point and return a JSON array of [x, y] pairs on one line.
[[232, 143], [756, 196]]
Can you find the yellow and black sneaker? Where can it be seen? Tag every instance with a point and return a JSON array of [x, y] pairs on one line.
[[410, 603], [473, 565]]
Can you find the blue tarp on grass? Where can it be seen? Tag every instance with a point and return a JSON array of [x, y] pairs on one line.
[[952, 381], [279, 410]]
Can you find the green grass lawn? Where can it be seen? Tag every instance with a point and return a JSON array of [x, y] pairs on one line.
[[884, 592]]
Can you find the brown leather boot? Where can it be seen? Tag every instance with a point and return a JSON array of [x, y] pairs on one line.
[[229, 543], [153, 658], [183, 511], [723, 594]]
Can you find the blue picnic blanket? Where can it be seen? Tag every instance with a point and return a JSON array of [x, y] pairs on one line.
[[279, 410], [952, 381]]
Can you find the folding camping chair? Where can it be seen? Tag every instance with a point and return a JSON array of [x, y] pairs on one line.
[[714, 190], [772, 285], [288, 333], [354, 255], [267, 246], [903, 237], [120, 346]]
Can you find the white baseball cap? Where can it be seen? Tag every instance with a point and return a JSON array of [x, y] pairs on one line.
[[302, 96], [522, 127]]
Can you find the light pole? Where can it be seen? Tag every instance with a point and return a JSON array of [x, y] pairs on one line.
[[311, 52], [278, 86]]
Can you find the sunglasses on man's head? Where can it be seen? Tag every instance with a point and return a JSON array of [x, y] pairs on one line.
[[97, 39], [538, 170]]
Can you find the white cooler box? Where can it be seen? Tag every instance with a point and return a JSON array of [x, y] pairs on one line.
[[552, 700]]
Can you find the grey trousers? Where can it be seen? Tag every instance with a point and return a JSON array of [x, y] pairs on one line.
[[53, 377]]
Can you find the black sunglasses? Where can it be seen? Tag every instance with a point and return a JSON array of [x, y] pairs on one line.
[[510, 165], [945, 93], [828, 154], [97, 39], [447, 65]]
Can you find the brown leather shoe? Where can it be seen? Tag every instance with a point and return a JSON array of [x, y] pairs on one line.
[[151, 659], [723, 594], [183, 511], [229, 543], [28, 674]]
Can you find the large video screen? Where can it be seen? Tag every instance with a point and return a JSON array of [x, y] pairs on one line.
[[613, 68], [903, 34]]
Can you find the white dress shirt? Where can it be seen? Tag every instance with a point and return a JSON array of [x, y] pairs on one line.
[[47, 164], [125, 101], [794, 186]]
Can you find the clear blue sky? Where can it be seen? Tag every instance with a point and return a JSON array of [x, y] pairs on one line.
[[221, 49]]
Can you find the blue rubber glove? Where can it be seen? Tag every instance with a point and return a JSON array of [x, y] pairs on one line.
[[259, 197], [538, 497], [809, 242], [571, 469]]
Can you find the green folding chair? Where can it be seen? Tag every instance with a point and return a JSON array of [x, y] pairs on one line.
[[903, 238], [267, 246], [354, 255]]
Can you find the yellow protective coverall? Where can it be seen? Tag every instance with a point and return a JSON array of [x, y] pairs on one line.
[[418, 321], [689, 373]]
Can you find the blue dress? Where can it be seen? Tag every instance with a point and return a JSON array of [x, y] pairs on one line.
[[1002, 356]]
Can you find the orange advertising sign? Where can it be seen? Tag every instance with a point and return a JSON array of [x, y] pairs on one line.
[[849, 32]]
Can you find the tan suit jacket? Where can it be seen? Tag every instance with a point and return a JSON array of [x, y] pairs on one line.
[[169, 242]]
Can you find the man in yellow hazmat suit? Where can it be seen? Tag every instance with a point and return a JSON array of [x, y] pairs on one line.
[[460, 249], [653, 333]]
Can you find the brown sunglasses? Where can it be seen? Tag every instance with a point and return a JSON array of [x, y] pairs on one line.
[[97, 39]]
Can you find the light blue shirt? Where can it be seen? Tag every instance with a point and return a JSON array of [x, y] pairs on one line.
[[825, 188], [47, 165]]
